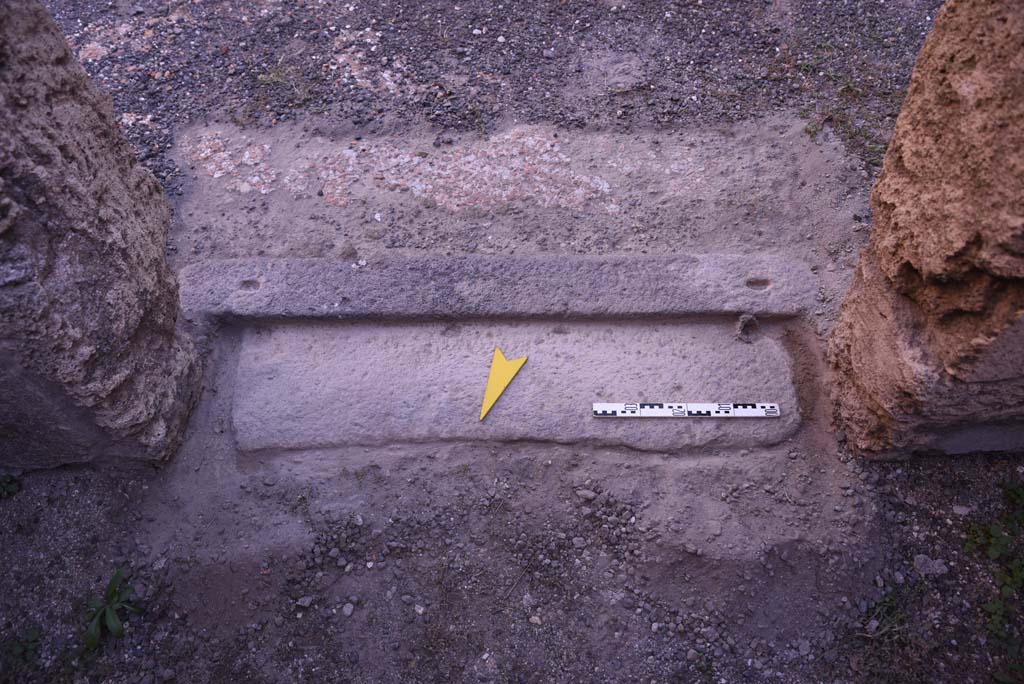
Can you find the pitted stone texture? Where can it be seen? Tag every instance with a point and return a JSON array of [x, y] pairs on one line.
[[332, 384], [931, 332], [949, 207], [506, 286], [88, 305]]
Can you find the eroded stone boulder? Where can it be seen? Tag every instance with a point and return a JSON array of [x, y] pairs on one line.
[[91, 364], [929, 351]]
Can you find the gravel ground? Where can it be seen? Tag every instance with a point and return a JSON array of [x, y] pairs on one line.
[[497, 566], [377, 67], [484, 587]]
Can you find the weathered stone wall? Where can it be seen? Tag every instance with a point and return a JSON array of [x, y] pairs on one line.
[[90, 362], [929, 352]]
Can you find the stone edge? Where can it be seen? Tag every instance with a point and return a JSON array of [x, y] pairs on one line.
[[497, 286]]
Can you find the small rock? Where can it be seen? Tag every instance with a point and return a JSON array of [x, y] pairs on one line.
[[549, 53], [692, 655], [347, 610], [579, 542], [305, 602], [929, 567], [167, 674], [586, 494], [535, 620]]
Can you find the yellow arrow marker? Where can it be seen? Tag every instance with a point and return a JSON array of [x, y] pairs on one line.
[[500, 377]]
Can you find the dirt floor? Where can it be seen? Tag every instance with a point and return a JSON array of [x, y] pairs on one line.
[[337, 514]]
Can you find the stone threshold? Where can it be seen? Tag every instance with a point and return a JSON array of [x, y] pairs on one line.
[[474, 287]]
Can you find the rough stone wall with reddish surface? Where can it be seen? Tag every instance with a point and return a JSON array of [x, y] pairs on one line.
[[928, 351], [90, 361]]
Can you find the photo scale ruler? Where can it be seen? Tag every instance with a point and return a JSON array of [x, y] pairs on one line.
[[688, 410]]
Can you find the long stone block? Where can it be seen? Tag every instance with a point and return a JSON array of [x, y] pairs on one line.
[[321, 384], [498, 286]]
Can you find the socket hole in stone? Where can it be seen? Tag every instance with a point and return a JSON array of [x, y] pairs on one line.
[[249, 285], [758, 283]]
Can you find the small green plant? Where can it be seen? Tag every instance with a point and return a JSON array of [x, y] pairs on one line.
[[277, 75], [1001, 541], [812, 129], [874, 153], [25, 647], [9, 486], [1011, 674], [105, 613], [888, 618]]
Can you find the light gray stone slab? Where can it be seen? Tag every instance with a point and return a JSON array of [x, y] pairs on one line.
[[498, 286], [321, 384]]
